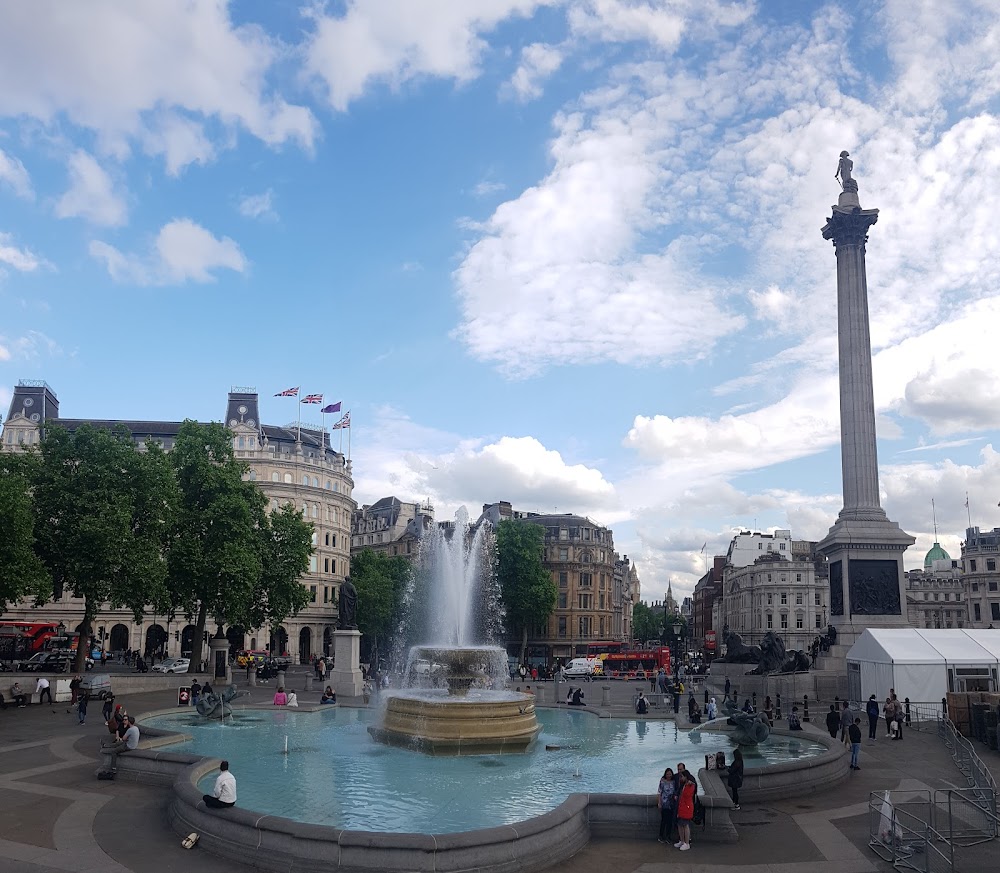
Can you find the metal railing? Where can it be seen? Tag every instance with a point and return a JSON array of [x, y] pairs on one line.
[[965, 757], [901, 831]]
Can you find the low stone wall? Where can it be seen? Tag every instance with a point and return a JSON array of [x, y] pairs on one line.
[[636, 817]]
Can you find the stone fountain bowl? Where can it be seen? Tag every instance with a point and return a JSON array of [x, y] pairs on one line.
[[458, 668]]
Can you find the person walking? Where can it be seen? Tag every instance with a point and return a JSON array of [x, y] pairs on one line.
[[897, 716], [685, 811], [833, 720], [666, 800], [735, 777], [81, 708], [871, 708], [846, 720], [854, 735], [888, 712]]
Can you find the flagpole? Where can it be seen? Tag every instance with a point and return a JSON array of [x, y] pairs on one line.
[[298, 438], [348, 442], [969, 511]]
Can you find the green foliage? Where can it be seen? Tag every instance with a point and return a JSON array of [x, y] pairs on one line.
[[22, 574], [102, 516], [381, 583], [528, 591], [286, 544], [646, 622]]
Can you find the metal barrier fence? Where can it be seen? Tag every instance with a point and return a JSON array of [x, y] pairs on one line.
[[965, 757], [900, 831]]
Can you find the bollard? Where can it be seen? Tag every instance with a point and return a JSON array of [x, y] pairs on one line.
[[805, 707], [944, 706], [605, 695], [280, 679], [706, 695], [777, 706], [309, 682], [253, 679], [755, 700]]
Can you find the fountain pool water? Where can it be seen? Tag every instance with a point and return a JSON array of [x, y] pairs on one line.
[[456, 697], [335, 775]]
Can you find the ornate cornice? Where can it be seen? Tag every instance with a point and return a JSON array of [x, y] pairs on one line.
[[849, 226]]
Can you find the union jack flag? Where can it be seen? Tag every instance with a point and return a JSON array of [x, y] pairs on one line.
[[344, 422], [312, 398], [288, 392]]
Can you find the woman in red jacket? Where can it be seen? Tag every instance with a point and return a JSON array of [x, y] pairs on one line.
[[685, 811]]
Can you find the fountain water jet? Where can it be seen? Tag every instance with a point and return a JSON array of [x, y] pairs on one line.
[[456, 697]]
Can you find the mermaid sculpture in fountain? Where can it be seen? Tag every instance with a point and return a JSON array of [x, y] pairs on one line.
[[750, 729], [217, 704]]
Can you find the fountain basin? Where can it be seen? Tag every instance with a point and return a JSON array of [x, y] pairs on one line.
[[483, 723]]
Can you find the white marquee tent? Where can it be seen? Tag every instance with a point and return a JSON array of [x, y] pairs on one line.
[[922, 664]]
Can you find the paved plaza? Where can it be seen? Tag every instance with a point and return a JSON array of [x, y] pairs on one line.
[[57, 816]]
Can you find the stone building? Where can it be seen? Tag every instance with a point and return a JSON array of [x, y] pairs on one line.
[[980, 560], [391, 527], [775, 593], [707, 592], [291, 464], [747, 546], [936, 595]]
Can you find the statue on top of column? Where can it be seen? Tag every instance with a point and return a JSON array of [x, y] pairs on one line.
[[844, 168]]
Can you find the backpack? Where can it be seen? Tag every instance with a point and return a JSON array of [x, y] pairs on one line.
[[699, 812]]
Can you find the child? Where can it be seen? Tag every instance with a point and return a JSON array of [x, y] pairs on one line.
[[293, 699]]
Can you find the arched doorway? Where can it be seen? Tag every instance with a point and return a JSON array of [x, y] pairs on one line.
[[305, 645], [253, 644], [119, 638], [237, 640], [279, 641], [327, 640], [187, 640], [156, 639]]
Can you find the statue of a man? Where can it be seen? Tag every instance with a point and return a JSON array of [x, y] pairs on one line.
[[348, 610], [844, 168]]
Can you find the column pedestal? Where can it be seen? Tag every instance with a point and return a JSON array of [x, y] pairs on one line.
[[346, 677], [218, 663]]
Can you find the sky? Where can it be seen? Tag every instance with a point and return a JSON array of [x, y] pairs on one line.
[[565, 253]]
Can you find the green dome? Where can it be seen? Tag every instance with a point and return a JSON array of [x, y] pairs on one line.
[[936, 553]]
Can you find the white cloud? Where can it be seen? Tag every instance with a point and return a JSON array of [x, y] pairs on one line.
[[258, 205], [182, 251], [162, 74], [538, 62], [29, 346], [21, 259], [487, 187], [396, 41], [91, 193], [13, 174]]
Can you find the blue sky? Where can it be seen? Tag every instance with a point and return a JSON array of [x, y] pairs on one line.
[[561, 253]]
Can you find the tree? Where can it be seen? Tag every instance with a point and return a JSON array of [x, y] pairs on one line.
[[229, 560], [529, 594], [381, 583], [102, 515], [22, 574], [646, 622]]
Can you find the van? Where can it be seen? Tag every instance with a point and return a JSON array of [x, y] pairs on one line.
[[96, 686], [580, 667]]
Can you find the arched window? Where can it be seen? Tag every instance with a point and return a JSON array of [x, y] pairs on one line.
[[253, 475], [288, 478], [315, 482], [305, 480], [328, 538], [275, 476], [315, 511], [241, 442], [327, 484]]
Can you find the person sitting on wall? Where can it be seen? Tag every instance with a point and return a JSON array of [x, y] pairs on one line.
[[641, 707], [329, 696], [577, 698], [17, 693], [223, 796], [280, 698], [293, 699]]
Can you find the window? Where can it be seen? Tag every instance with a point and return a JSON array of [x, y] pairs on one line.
[[799, 621], [586, 601], [769, 599], [972, 565], [564, 554], [326, 565], [327, 538], [601, 631], [784, 621], [253, 475], [784, 578], [312, 593], [760, 546], [562, 600], [975, 586], [333, 541], [313, 538], [563, 534], [305, 480], [798, 599], [784, 598], [274, 503], [315, 482], [586, 533], [585, 625], [946, 595], [288, 478], [312, 565], [937, 596], [274, 476], [563, 579], [585, 580], [995, 611], [782, 546], [601, 600], [817, 598], [326, 593], [327, 484], [819, 621], [768, 577], [991, 564], [770, 621], [585, 558], [993, 586], [562, 626], [315, 511]]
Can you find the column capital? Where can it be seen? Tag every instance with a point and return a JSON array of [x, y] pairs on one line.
[[848, 226]]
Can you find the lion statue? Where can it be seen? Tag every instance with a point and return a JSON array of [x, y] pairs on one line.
[[738, 652], [774, 658]]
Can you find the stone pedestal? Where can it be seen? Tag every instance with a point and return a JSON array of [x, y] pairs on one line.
[[309, 682], [218, 661], [346, 677]]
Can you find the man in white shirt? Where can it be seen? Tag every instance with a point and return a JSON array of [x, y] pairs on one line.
[[42, 689], [129, 742], [223, 795]]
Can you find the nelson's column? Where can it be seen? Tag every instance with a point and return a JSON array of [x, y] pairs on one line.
[[864, 548]]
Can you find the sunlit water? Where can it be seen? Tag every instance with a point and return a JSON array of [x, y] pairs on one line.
[[335, 775]]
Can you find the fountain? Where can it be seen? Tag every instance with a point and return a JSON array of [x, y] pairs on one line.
[[218, 704], [455, 697]]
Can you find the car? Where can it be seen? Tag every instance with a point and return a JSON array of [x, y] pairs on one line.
[[171, 665], [45, 662]]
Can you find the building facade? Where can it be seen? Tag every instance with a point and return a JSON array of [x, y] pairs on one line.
[[980, 560], [747, 546], [707, 591], [391, 527], [294, 464]]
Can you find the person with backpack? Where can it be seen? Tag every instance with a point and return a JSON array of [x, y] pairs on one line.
[[641, 707], [685, 810]]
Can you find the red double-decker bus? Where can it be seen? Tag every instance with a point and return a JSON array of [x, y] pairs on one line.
[[619, 661], [35, 635]]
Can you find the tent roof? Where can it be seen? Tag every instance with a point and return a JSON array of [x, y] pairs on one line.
[[927, 646]]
